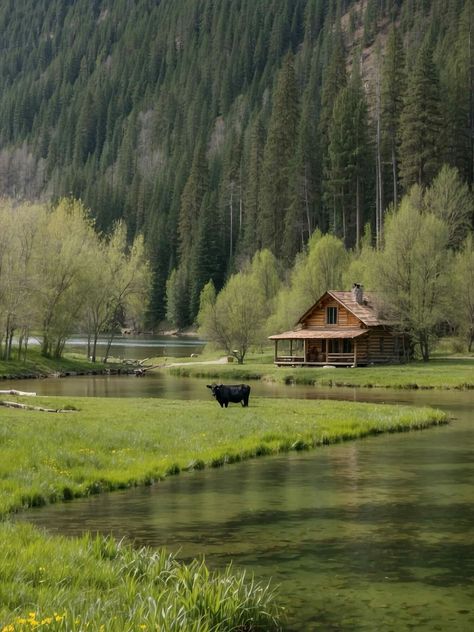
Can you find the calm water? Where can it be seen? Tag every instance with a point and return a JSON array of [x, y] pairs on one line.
[[139, 347], [370, 535]]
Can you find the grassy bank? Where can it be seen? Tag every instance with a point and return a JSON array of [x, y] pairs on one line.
[[108, 443], [36, 365], [440, 373], [53, 583], [97, 584]]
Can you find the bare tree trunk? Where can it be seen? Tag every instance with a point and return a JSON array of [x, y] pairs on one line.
[[306, 201], [231, 221], [379, 179], [471, 95], [109, 344], [357, 212], [27, 333], [394, 174]]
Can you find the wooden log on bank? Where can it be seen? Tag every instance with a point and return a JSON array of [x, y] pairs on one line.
[[40, 408], [14, 392]]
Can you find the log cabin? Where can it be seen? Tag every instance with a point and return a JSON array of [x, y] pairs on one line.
[[341, 329]]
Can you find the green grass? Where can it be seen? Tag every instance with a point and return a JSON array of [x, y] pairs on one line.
[[115, 443], [55, 583], [38, 366], [439, 373]]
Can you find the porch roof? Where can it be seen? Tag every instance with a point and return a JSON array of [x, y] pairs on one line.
[[324, 334]]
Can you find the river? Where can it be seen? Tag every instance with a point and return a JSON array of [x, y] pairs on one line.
[[376, 534]]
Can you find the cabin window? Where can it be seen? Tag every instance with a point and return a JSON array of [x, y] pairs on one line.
[[381, 341], [347, 345], [331, 315]]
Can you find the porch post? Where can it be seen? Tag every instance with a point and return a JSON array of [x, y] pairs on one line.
[[276, 350], [291, 347], [355, 351], [304, 351]]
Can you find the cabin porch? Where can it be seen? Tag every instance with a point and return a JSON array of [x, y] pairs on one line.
[[334, 351], [338, 347]]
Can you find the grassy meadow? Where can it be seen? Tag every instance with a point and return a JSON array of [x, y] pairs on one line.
[[55, 583], [442, 373], [105, 443]]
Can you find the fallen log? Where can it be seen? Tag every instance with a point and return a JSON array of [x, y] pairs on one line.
[[143, 369], [14, 392], [40, 408]]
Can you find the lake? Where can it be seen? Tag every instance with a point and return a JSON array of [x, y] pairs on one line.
[[376, 534], [137, 347]]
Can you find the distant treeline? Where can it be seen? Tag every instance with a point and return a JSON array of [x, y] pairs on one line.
[[217, 129]]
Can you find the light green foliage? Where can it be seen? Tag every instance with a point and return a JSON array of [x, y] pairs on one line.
[[320, 269], [264, 269], [65, 239], [462, 312], [361, 264], [450, 199], [412, 273], [19, 278], [57, 275], [122, 284], [234, 322]]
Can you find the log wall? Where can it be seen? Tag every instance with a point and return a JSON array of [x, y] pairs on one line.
[[317, 318]]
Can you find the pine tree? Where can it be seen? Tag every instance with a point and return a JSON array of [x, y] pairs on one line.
[[278, 156], [420, 153], [207, 258], [459, 111], [392, 90], [252, 192], [349, 160], [191, 200], [304, 213]]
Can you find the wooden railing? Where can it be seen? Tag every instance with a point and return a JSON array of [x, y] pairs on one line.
[[289, 359], [332, 358], [321, 358]]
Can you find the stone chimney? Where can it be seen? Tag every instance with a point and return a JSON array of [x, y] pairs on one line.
[[358, 293]]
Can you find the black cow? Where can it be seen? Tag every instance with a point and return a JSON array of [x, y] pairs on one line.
[[230, 393]]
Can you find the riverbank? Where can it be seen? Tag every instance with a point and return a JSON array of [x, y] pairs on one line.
[[443, 373], [104, 444], [101, 444], [37, 366]]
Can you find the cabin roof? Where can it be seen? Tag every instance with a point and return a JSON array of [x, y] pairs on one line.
[[366, 311], [334, 332]]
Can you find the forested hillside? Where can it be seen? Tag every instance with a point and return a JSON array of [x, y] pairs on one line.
[[220, 127]]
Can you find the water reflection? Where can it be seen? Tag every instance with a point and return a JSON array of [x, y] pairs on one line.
[[371, 535], [138, 347]]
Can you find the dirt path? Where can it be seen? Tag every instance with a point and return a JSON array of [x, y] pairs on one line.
[[222, 360]]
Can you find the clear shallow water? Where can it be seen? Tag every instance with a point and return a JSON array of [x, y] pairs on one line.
[[375, 535]]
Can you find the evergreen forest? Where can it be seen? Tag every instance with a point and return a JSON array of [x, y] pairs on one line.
[[220, 128]]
